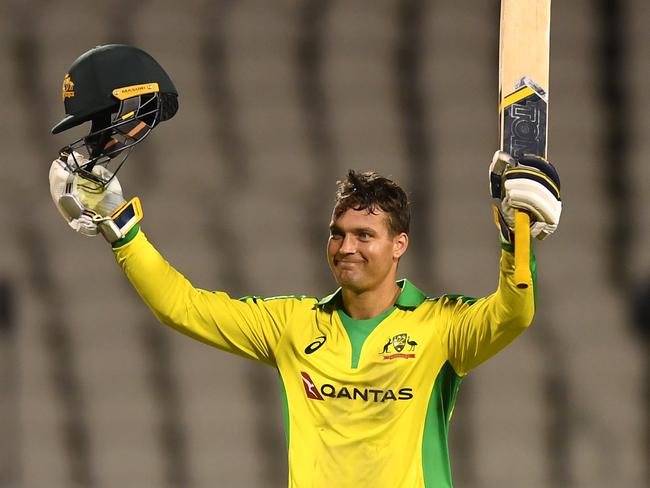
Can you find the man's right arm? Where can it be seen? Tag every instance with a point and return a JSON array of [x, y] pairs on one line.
[[251, 328]]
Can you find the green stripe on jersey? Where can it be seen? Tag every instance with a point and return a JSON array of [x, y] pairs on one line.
[[359, 330], [533, 274], [435, 452], [285, 412], [462, 298]]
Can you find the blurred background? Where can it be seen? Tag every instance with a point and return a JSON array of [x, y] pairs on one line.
[[277, 100]]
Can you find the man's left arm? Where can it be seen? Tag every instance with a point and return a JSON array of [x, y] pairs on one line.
[[475, 330]]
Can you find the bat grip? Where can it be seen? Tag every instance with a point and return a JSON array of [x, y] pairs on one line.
[[522, 249]]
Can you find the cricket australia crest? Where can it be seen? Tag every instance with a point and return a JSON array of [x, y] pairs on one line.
[[398, 343]]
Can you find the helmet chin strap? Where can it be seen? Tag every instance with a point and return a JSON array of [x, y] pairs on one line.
[[119, 140]]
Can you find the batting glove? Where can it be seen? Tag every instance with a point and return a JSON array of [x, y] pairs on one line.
[[530, 184], [88, 207]]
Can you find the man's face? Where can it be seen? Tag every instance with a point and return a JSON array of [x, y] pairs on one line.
[[361, 251]]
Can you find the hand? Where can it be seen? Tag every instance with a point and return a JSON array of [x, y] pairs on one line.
[[530, 184], [81, 202]]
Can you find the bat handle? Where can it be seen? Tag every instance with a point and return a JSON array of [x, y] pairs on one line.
[[522, 249]]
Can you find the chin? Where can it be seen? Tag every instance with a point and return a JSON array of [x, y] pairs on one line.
[[351, 283], [344, 279]]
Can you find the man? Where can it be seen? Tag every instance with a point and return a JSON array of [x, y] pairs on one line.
[[370, 373]]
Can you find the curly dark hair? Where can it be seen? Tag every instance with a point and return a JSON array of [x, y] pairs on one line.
[[370, 191]]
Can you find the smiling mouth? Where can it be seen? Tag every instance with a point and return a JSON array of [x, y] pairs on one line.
[[347, 263]]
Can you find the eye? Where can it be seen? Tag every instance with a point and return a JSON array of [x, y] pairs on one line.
[[364, 236]]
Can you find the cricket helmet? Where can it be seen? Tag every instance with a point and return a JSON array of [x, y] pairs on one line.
[[124, 93]]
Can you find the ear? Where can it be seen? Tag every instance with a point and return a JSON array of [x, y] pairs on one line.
[[400, 244]]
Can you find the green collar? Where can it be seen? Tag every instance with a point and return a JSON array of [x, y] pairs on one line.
[[409, 297]]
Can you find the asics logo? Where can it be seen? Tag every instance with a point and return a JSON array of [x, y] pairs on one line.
[[315, 346]]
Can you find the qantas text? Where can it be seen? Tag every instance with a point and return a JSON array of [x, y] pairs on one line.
[[366, 394]]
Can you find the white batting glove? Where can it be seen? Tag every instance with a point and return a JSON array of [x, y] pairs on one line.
[[67, 189], [530, 184]]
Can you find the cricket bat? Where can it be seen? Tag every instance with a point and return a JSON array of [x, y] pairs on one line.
[[524, 44]]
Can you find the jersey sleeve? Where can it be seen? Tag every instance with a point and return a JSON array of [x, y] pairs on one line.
[[476, 329], [250, 327]]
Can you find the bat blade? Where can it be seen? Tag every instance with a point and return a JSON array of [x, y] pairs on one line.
[[524, 47]]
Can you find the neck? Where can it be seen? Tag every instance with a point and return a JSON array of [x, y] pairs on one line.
[[370, 303]]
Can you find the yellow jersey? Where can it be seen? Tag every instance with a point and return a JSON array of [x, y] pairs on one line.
[[360, 410]]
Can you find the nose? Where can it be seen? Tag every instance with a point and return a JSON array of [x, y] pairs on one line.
[[348, 246]]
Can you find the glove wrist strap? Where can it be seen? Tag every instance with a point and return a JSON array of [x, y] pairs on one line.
[[121, 221]]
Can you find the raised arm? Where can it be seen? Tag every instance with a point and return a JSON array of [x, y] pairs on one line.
[[476, 329], [124, 93], [251, 328]]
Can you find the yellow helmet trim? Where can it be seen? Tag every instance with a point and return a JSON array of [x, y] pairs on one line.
[[135, 90]]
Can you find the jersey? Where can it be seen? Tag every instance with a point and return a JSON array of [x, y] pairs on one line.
[[375, 417]]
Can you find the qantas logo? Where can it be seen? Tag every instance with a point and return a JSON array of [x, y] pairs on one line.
[[315, 346], [375, 395], [310, 387]]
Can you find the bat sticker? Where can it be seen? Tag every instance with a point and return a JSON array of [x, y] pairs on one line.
[[524, 119]]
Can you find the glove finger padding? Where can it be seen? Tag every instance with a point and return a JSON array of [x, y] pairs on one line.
[[59, 177], [531, 184], [527, 195], [88, 194]]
